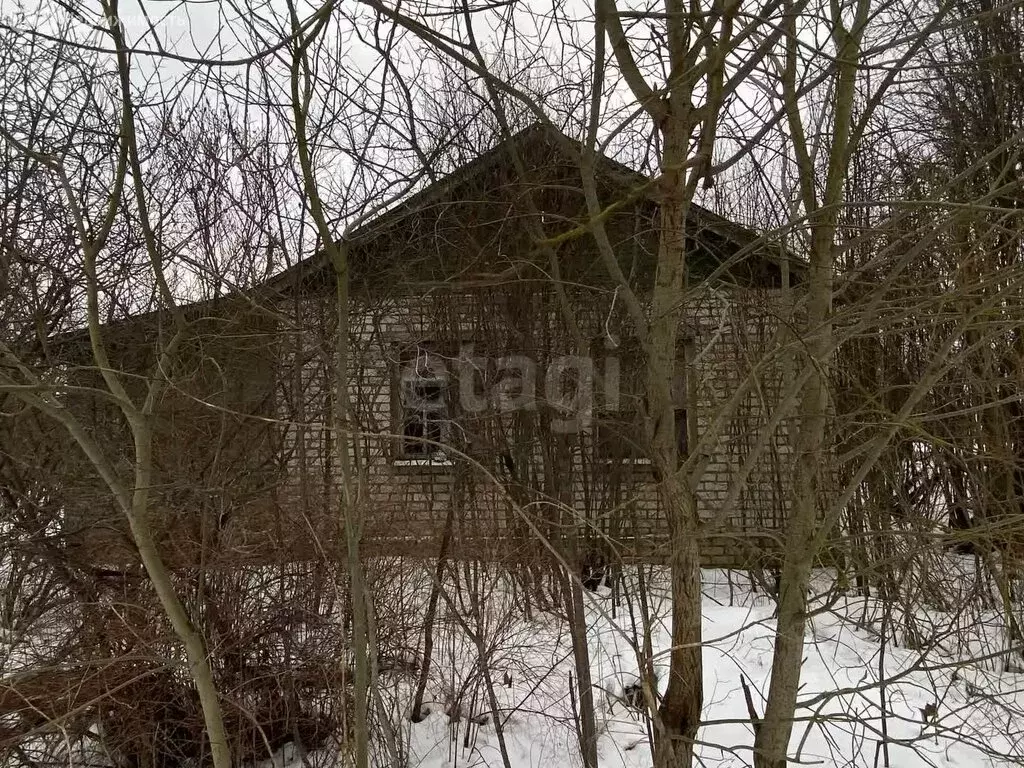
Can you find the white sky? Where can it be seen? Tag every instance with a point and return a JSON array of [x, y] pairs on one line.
[[222, 30]]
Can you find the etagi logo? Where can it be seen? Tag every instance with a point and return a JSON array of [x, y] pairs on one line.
[[567, 384]]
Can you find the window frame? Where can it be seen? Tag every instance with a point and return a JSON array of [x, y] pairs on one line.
[[635, 402], [606, 420], [436, 411], [681, 425]]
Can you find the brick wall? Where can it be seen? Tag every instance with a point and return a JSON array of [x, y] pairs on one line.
[[513, 474]]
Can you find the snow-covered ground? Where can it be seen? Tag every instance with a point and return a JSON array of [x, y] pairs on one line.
[[954, 663], [840, 723]]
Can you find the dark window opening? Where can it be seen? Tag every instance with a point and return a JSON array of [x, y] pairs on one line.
[[419, 435], [682, 438], [422, 407], [620, 436]]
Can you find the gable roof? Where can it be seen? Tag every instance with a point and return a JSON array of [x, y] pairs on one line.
[[440, 191]]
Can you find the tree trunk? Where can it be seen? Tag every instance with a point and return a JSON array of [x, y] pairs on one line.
[[680, 710], [681, 707], [772, 739], [431, 614], [581, 656], [195, 648]]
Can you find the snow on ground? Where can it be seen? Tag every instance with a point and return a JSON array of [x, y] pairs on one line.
[[841, 720], [840, 724]]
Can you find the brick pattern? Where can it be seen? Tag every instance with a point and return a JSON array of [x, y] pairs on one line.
[[522, 477]]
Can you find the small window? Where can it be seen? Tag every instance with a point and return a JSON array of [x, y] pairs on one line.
[[682, 438], [422, 407], [619, 432], [619, 437]]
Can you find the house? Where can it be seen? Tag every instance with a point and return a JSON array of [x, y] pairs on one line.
[[495, 391]]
